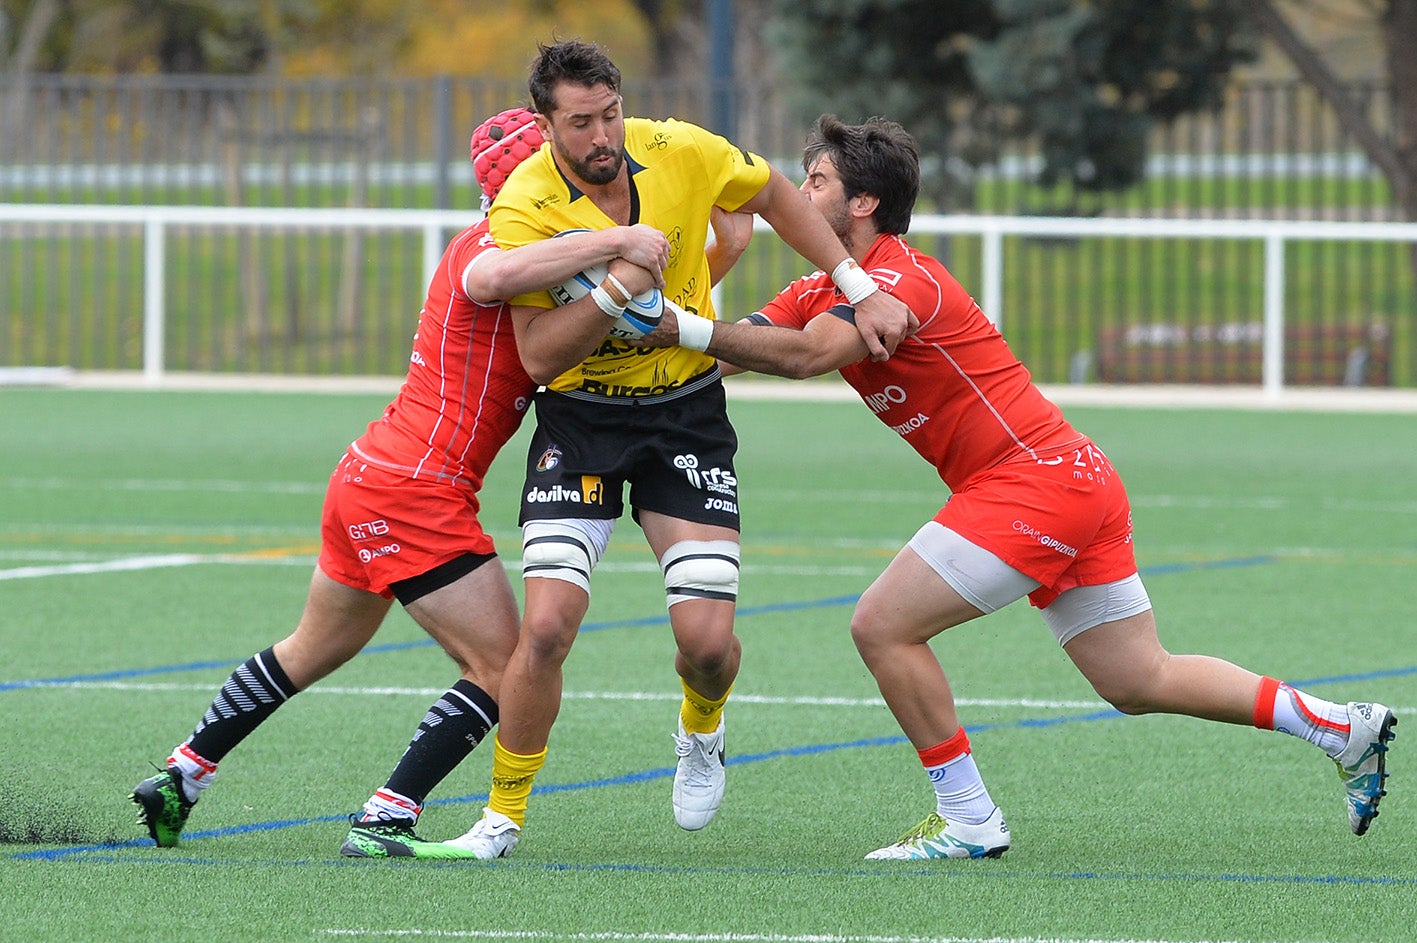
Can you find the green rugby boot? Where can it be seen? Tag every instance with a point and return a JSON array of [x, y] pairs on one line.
[[394, 839], [163, 806]]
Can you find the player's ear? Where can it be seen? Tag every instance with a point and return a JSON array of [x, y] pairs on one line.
[[864, 204]]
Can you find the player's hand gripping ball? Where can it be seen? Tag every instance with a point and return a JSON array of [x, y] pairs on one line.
[[642, 315]]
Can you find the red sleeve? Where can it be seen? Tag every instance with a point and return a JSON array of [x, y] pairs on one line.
[[799, 302]]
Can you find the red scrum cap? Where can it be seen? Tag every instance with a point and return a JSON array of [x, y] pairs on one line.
[[499, 144]]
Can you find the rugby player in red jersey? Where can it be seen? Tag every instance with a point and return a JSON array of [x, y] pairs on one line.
[[1035, 508], [400, 520]]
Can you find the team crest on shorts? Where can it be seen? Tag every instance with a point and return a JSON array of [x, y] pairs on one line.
[[549, 459]]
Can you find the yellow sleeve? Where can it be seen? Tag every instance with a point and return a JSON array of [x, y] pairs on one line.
[[741, 173], [513, 223]]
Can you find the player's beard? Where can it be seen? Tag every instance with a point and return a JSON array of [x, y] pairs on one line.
[[838, 217], [597, 176]]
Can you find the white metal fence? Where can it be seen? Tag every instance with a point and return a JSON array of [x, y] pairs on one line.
[[158, 223]]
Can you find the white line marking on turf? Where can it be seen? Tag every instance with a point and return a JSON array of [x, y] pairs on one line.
[[806, 701], [161, 561], [617, 937], [154, 562], [912, 496], [225, 486], [105, 566]]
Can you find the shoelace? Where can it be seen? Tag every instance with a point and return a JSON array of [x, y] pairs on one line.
[[930, 826], [699, 773]]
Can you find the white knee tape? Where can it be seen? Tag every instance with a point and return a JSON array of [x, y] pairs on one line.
[[564, 550], [700, 569]]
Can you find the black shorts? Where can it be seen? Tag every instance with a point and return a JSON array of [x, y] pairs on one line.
[[676, 454]]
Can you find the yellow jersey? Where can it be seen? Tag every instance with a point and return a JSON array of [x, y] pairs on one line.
[[677, 172]]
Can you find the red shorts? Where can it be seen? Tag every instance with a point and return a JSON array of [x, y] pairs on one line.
[[1063, 520], [379, 527]]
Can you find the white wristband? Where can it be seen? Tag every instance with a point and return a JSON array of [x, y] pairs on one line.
[[854, 283], [606, 303], [695, 333]]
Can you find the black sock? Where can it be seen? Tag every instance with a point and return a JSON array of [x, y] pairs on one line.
[[249, 696], [449, 731]]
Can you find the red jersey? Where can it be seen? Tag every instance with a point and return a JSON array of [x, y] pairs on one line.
[[466, 391], [953, 390]]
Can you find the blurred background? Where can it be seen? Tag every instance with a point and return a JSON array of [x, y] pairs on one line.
[[1247, 111]]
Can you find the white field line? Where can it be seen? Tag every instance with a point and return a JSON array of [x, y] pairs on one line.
[[223, 486], [425, 693], [163, 561], [911, 496], [1148, 396], [82, 564], [1028, 703], [923, 497], [670, 937], [150, 562]]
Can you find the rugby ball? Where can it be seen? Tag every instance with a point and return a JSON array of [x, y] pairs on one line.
[[642, 315]]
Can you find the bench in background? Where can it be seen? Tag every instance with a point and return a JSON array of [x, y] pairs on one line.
[[1314, 354]]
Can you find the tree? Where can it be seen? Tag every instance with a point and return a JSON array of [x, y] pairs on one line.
[[167, 36], [1087, 80], [1394, 153]]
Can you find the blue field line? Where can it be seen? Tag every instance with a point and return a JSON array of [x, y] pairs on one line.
[[114, 854], [125, 674], [663, 619], [104, 851]]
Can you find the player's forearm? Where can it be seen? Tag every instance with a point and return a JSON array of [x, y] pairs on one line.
[[798, 223], [782, 352], [551, 341], [537, 266]]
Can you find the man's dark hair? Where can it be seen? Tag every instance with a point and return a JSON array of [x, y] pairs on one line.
[[878, 157], [572, 61]]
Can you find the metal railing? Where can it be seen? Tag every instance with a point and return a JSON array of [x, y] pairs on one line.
[[1268, 332]]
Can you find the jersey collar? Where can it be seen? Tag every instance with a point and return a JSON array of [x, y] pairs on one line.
[[634, 167]]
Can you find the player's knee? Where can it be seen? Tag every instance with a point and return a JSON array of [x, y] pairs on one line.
[[700, 569], [871, 628], [547, 637], [865, 633], [710, 653], [1127, 693]]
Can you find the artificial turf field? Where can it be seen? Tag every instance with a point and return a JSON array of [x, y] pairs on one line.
[[151, 541]]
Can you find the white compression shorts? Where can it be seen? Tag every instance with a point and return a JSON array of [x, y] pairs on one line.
[[989, 584]]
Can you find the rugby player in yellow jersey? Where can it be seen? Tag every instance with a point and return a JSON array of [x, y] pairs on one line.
[[611, 414]]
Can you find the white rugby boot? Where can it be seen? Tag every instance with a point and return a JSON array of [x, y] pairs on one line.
[[699, 778]]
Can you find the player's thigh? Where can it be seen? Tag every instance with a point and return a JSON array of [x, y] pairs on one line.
[[663, 531], [1120, 655], [938, 580], [704, 557], [338, 621], [474, 618], [908, 603]]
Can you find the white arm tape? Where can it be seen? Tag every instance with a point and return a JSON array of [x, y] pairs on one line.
[[616, 284], [854, 283], [695, 333], [606, 303]]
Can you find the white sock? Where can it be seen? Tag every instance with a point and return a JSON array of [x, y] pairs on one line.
[[386, 805], [197, 772], [960, 795], [1322, 723]]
